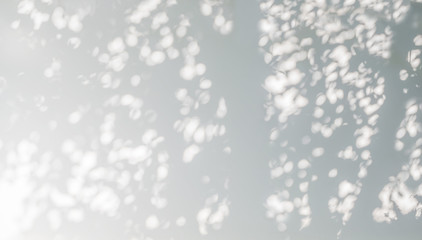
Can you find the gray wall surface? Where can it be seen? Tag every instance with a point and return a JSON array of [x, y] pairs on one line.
[[210, 119]]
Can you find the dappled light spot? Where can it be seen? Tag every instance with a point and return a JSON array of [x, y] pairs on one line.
[[190, 152], [213, 214], [152, 222]]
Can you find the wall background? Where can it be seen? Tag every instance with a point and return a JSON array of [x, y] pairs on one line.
[[210, 119]]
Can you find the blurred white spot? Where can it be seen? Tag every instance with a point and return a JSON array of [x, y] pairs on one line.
[[332, 173], [345, 188], [288, 167], [180, 221], [58, 18], [75, 117], [149, 135], [126, 100], [188, 72], [200, 69], [141, 153], [157, 57], [75, 23], [190, 153], [222, 108], [317, 152], [205, 84], [418, 40], [302, 164], [135, 80], [12, 207], [76, 215], [152, 222], [106, 201], [74, 42], [162, 172], [167, 41], [206, 9], [131, 40], [25, 6], [116, 46]]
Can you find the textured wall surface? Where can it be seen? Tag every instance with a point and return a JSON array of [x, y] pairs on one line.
[[210, 119]]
